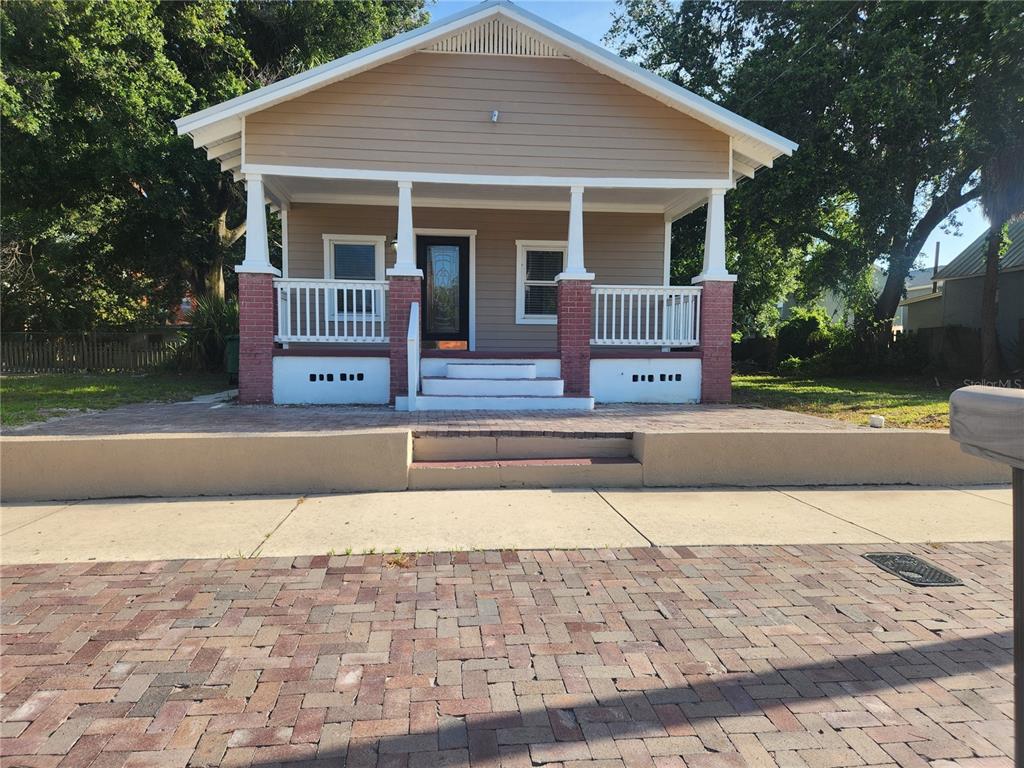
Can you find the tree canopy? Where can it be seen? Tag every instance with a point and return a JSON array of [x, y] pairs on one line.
[[883, 99], [108, 216]]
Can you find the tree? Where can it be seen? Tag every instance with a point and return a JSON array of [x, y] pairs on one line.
[[997, 111], [875, 93], [109, 217]]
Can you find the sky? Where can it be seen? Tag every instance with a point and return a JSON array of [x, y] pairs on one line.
[[591, 19]]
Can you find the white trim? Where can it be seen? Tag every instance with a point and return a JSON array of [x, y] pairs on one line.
[[460, 202], [284, 241], [358, 174], [378, 241], [471, 234], [585, 52], [521, 248], [667, 271]]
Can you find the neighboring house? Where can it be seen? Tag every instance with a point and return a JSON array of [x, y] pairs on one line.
[[959, 302], [512, 186], [922, 291]]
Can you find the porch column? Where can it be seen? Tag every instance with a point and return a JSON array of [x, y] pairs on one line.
[[715, 307], [575, 306], [404, 288], [256, 302]]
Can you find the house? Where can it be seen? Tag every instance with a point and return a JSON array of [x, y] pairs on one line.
[[477, 214], [920, 287], [959, 302]]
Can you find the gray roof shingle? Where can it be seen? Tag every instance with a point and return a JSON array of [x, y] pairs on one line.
[[971, 260]]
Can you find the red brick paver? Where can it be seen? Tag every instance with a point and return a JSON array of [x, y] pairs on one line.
[[711, 656]]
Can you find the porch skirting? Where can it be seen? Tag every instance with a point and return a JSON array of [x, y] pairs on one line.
[[362, 377]]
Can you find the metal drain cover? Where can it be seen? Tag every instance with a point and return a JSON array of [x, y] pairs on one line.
[[913, 569]]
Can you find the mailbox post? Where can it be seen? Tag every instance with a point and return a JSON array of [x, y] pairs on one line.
[[989, 422]]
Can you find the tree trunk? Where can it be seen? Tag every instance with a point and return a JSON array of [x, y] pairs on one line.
[[989, 306], [214, 279]]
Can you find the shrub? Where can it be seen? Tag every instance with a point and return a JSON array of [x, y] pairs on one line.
[[805, 333], [210, 322]]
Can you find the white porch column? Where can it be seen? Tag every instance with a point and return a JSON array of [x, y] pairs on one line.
[[405, 260], [257, 248], [714, 241], [574, 267]]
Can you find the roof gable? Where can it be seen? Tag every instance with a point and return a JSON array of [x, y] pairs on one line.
[[970, 262], [505, 29]]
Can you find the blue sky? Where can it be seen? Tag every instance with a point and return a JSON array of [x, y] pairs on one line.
[[592, 18]]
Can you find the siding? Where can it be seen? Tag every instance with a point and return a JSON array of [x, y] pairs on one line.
[[431, 112], [961, 305], [620, 248]]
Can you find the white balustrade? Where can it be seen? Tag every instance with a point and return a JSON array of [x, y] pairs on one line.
[[639, 315], [331, 310]]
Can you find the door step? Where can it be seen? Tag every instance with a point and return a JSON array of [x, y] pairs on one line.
[[602, 472], [493, 387], [492, 371], [511, 403]]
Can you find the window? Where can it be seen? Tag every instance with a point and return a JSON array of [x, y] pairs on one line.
[[354, 259], [538, 263]]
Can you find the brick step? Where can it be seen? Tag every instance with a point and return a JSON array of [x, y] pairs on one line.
[[492, 447], [577, 472]]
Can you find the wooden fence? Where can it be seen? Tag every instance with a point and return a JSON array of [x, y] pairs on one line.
[[96, 352]]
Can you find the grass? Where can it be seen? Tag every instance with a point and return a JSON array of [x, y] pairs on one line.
[[916, 403], [25, 398]]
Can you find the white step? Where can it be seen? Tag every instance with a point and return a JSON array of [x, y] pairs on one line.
[[433, 385], [492, 371], [477, 403]]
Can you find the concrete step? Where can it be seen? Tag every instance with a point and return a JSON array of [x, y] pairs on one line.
[[512, 403], [527, 473], [491, 447], [436, 385], [492, 371]]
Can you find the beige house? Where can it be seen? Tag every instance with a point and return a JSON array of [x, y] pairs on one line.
[[477, 214]]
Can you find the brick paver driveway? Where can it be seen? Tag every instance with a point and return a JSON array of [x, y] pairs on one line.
[[667, 657]]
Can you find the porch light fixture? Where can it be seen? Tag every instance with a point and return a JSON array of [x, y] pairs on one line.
[[393, 241], [494, 116]]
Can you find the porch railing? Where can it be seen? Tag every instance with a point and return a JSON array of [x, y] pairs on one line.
[[331, 310], [640, 315]]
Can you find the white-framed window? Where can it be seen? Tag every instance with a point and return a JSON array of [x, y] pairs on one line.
[[353, 259], [538, 262]]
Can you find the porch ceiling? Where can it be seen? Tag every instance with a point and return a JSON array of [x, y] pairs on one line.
[[298, 189]]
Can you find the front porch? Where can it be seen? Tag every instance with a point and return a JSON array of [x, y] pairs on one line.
[[502, 303]]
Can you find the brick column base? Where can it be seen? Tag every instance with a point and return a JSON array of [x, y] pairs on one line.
[[575, 311], [256, 337], [716, 342], [402, 292]]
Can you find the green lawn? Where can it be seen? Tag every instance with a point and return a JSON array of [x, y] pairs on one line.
[[25, 398], [917, 403]]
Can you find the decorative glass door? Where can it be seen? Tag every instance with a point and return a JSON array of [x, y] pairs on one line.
[[445, 265]]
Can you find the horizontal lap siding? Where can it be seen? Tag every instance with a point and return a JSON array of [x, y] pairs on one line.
[[431, 112], [620, 249]]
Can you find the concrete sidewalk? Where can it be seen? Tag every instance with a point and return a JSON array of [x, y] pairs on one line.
[[165, 529]]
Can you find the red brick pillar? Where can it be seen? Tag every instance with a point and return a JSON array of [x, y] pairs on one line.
[[256, 337], [716, 341], [402, 292], [575, 311]]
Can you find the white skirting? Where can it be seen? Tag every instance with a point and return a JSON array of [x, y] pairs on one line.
[[331, 380], [645, 380]]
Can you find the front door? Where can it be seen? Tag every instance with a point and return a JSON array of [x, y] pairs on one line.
[[445, 265]]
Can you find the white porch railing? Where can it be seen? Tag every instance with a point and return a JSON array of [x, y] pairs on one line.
[[331, 310], [640, 315], [412, 340]]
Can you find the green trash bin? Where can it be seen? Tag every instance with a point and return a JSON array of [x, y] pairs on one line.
[[231, 358]]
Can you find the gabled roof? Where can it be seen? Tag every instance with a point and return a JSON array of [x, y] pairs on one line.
[[971, 261], [218, 127]]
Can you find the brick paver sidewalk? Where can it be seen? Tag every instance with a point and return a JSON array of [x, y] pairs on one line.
[[716, 656]]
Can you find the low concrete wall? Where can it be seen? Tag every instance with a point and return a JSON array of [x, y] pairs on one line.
[[810, 458], [51, 468]]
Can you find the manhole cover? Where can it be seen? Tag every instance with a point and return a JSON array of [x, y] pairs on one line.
[[913, 569]]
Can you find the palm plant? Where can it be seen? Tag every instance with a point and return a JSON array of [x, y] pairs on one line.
[[210, 322]]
